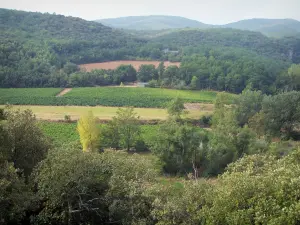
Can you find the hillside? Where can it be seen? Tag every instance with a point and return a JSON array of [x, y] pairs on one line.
[[152, 22], [269, 27], [283, 49]]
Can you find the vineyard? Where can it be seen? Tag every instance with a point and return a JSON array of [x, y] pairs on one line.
[[105, 96], [61, 133]]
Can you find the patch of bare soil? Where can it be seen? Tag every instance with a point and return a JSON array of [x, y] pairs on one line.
[[199, 106], [63, 92], [114, 64]]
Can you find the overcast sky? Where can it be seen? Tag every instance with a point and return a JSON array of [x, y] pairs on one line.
[[207, 11]]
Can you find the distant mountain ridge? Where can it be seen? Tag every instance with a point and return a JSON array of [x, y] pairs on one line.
[[268, 27], [153, 22]]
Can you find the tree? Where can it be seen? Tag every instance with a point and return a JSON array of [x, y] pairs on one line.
[[146, 73], [15, 195], [180, 147], [294, 77], [25, 144], [281, 114], [194, 83], [176, 108], [88, 132], [72, 186], [110, 136], [128, 127], [247, 105], [81, 188], [160, 70]]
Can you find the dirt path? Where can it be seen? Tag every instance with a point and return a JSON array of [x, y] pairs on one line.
[[63, 92]]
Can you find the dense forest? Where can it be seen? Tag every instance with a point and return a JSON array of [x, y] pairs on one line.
[[42, 50]]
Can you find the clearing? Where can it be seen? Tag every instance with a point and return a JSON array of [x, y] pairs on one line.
[[114, 64], [57, 113]]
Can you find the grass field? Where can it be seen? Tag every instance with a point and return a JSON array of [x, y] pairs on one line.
[[56, 113], [104, 96], [114, 64]]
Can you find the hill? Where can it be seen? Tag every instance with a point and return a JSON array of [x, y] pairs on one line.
[[42, 50], [269, 27], [152, 22], [283, 49]]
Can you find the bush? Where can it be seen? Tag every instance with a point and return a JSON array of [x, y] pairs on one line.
[[2, 114], [206, 120], [67, 118]]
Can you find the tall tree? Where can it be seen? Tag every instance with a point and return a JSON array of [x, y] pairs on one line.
[[89, 132], [127, 122]]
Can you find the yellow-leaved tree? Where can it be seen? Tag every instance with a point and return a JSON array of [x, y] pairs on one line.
[[89, 132]]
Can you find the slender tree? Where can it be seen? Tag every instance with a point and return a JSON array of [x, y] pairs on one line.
[[89, 132]]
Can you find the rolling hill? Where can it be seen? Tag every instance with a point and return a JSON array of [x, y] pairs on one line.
[[268, 27], [152, 22]]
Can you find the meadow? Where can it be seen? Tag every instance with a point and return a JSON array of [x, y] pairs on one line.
[[57, 113], [104, 96]]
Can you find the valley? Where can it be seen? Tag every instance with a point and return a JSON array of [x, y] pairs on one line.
[[148, 120]]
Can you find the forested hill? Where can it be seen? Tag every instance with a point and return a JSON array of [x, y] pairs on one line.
[[152, 22], [39, 25], [283, 49], [41, 50], [269, 27], [64, 38]]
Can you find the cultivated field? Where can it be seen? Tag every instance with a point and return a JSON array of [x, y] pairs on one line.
[[103, 96], [114, 64], [62, 133], [57, 113]]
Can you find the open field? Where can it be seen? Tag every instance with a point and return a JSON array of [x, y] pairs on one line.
[[103, 96], [114, 64], [57, 113]]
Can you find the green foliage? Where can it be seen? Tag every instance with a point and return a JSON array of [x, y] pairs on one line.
[[176, 108], [81, 187], [194, 82], [256, 189], [25, 144], [247, 105], [180, 147], [14, 194], [281, 114], [88, 132], [124, 130], [147, 73]]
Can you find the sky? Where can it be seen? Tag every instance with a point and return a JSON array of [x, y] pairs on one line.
[[206, 11]]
